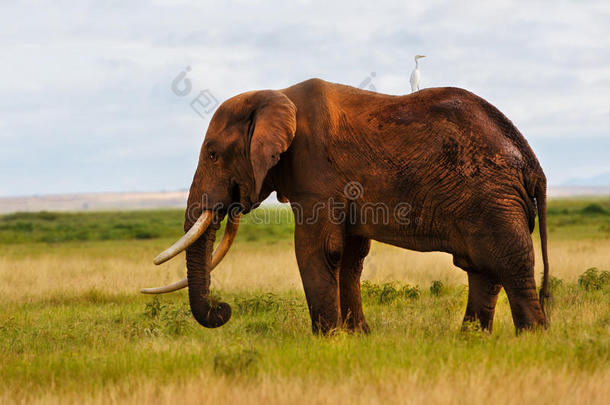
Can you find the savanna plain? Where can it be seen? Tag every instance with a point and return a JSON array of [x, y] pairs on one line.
[[74, 327]]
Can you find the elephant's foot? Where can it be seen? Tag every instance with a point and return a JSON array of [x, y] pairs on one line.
[[355, 250], [355, 324], [325, 324]]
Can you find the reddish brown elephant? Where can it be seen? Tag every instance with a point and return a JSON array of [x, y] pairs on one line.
[[437, 170]]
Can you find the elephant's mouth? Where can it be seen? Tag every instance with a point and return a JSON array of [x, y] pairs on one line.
[[242, 203], [235, 192]]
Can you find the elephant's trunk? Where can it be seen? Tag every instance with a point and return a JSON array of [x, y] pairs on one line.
[[183, 243], [206, 311]]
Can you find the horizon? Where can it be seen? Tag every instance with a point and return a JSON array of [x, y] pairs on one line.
[[177, 199], [564, 189]]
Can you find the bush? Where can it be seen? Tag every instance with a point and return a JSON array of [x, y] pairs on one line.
[[593, 279], [437, 288], [259, 303], [173, 319], [410, 292], [47, 216], [138, 330], [146, 235], [154, 308], [471, 331], [177, 320], [388, 292], [594, 209], [555, 283], [22, 226]]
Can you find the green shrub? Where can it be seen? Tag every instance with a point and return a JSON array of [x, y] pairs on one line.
[[22, 226], [47, 216], [173, 319], [437, 287], [146, 235], [138, 330], [594, 209], [154, 308], [555, 284], [387, 293], [177, 320], [410, 292], [471, 331], [593, 279], [259, 303]]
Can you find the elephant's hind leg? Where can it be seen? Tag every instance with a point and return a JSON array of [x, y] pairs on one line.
[[523, 299], [509, 254], [482, 297], [516, 271], [355, 250]]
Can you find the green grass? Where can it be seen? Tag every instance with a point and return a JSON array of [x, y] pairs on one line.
[[579, 218], [62, 343], [266, 224], [96, 339]]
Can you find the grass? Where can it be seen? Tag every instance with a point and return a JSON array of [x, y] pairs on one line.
[[74, 329], [54, 227], [87, 343]]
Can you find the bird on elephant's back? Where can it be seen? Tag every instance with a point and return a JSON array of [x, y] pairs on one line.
[[437, 170]]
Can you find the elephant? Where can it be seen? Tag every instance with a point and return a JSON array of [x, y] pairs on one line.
[[440, 169]]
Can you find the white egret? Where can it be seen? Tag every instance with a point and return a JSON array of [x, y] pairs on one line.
[[415, 74]]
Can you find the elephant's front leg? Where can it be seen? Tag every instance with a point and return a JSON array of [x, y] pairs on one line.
[[319, 248], [355, 250]]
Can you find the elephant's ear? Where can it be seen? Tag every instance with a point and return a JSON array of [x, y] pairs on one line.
[[275, 124]]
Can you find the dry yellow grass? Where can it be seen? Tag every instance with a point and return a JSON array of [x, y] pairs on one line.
[[539, 386], [30, 271]]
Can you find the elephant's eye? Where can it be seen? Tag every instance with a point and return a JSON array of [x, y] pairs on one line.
[[213, 156]]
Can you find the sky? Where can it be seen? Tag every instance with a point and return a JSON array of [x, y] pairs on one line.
[[116, 96]]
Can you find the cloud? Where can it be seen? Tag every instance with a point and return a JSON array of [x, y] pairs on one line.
[[88, 106]]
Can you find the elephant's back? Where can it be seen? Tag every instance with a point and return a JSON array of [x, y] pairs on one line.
[[447, 126]]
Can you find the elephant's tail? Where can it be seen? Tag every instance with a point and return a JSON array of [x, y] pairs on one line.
[[540, 194]]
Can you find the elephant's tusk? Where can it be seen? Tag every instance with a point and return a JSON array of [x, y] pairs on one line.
[[188, 239], [178, 285], [227, 240], [221, 250]]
